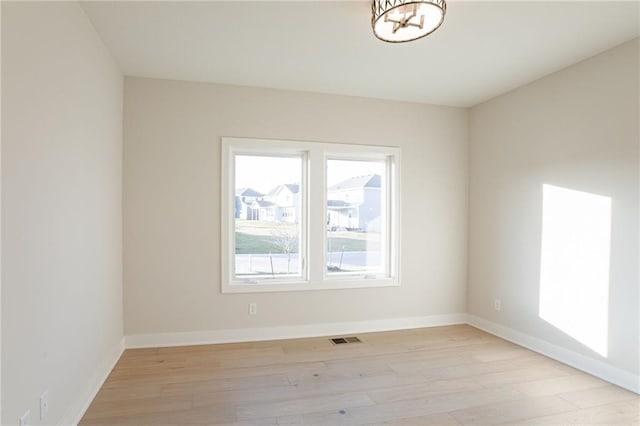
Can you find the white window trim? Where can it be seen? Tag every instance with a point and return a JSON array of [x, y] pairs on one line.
[[313, 215]]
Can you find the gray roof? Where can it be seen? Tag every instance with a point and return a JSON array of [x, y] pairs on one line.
[[248, 192], [293, 187], [368, 181]]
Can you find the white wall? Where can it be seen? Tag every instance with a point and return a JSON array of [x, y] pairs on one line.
[[61, 201], [577, 128], [172, 203]]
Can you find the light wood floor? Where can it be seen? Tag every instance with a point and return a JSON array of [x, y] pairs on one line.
[[441, 376]]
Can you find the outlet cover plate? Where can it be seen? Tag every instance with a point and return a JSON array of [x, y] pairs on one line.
[[253, 308]]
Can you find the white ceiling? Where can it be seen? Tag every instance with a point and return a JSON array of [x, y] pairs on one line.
[[483, 48]]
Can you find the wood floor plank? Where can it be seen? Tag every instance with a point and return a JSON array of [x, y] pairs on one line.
[[388, 411], [598, 396], [304, 405], [156, 405], [440, 419], [621, 413], [491, 414], [334, 371], [208, 415], [556, 385], [225, 384], [431, 376], [482, 368], [333, 418], [424, 389], [113, 392], [519, 375]]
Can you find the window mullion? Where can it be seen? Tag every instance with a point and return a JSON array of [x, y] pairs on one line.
[[316, 224]]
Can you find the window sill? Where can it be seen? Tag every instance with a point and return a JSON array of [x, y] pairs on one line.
[[328, 284]]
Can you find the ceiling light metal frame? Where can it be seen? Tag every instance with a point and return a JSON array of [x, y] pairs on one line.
[[380, 9]]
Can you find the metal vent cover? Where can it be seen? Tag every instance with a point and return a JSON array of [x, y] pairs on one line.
[[344, 340]]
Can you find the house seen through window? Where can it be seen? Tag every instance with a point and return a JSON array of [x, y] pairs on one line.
[[356, 216], [267, 213]]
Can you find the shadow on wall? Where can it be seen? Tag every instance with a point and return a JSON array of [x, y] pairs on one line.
[[574, 264]]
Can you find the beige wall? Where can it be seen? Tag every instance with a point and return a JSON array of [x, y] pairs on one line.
[[577, 128], [172, 203], [61, 201]]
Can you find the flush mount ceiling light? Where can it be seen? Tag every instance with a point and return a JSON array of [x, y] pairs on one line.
[[397, 21]]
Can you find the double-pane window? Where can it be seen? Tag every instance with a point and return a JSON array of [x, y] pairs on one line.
[[308, 215]]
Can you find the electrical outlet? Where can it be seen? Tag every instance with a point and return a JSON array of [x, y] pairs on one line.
[[253, 308], [497, 304], [44, 404], [25, 420]]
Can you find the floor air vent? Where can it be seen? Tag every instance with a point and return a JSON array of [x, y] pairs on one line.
[[343, 340]]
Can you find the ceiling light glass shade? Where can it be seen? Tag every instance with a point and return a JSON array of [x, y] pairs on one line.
[[397, 21]]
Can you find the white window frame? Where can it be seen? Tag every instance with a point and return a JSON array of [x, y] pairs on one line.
[[313, 193]]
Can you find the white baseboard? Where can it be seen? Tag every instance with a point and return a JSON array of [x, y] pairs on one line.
[[589, 365], [75, 412], [288, 332]]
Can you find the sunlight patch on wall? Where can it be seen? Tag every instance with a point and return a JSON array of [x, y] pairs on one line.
[[574, 266]]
